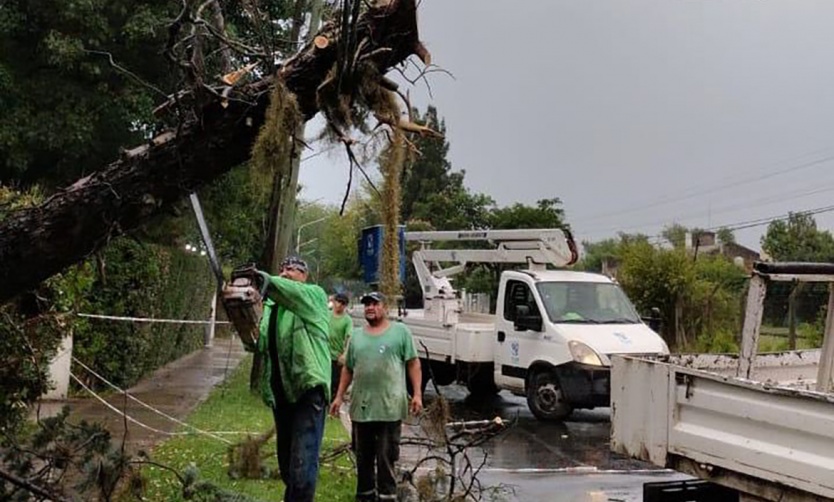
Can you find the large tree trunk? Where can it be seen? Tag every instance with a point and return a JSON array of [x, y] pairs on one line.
[[39, 242]]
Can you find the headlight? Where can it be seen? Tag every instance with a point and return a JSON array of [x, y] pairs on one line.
[[583, 354]]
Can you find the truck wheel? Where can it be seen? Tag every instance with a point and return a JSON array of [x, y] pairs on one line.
[[545, 398]]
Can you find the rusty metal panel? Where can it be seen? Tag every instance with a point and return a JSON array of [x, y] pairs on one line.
[[640, 392], [776, 435]]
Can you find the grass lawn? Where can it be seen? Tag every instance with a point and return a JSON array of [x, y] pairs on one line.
[[231, 407]]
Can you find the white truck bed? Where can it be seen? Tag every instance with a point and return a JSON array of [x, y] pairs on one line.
[[770, 437], [471, 339]]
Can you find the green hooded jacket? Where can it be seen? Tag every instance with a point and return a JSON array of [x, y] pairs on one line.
[[301, 335]]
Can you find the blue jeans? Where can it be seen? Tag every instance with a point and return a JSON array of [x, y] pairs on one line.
[[298, 429]]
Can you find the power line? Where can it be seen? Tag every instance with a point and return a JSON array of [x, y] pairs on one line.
[[688, 194], [763, 201], [742, 225]]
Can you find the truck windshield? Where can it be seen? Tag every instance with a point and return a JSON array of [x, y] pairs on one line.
[[586, 303]]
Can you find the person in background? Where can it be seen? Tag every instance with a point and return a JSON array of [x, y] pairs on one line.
[[378, 357], [295, 381], [340, 328]]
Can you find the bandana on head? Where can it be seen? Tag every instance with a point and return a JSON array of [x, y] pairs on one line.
[[294, 262]]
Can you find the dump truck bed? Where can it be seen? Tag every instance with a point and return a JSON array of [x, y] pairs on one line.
[[769, 436]]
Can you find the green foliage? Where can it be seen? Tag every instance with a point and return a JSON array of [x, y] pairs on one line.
[[236, 208], [32, 328], [717, 342], [675, 234], [66, 109], [726, 236], [547, 213], [143, 280], [699, 300], [798, 239], [66, 460], [232, 403]]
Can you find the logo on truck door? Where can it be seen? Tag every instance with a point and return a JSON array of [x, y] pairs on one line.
[[623, 338], [514, 352]]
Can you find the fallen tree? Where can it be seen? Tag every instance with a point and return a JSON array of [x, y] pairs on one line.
[[339, 71]]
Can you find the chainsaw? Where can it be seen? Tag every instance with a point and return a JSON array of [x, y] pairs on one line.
[[242, 296]]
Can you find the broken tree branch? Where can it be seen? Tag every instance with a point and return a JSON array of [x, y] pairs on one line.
[[216, 136]]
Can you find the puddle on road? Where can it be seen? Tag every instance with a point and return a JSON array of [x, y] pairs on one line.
[[581, 441]]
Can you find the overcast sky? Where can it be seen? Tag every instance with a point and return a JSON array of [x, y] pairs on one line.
[[636, 113]]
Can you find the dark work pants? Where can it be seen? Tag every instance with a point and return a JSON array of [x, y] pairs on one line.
[[298, 430], [335, 377], [377, 449]]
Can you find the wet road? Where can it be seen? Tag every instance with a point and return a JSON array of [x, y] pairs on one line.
[[540, 461]]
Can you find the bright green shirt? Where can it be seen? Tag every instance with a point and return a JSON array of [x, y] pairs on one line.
[[300, 338], [378, 364], [340, 328]]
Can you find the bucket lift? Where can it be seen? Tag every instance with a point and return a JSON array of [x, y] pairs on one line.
[[535, 247]]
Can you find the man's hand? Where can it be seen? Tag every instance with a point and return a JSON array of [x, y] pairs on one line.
[[335, 406], [416, 405], [341, 359]]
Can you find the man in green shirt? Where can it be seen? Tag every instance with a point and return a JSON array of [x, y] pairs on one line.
[[378, 357], [295, 381], [340, 328]]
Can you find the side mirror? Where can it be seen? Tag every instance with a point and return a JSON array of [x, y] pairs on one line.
[[525, 321], [653, 321]]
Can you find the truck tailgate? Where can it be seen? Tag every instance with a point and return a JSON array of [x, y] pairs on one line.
[[767, 440]]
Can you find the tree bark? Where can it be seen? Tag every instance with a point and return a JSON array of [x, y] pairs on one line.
[[72, 224]]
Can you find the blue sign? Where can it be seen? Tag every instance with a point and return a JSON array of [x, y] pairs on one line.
[[370, 253]]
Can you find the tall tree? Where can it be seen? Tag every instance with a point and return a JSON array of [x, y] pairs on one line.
[[65, 106], [547, 213], [433, 192], [798, 239]]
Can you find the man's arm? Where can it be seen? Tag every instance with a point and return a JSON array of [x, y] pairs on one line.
[[344, 382], [307, 301], [415, 375]]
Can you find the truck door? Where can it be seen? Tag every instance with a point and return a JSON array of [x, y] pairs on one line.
[[516, 335]]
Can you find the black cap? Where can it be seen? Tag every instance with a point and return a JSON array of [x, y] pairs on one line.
[[341, 298], [376, 296]]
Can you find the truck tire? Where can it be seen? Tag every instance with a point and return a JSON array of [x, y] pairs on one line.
[[545, 398]]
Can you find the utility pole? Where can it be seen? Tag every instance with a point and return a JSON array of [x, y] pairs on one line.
[[285, 214], [285, 187]]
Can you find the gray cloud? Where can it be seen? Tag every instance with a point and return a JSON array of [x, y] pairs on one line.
[[626, 108]]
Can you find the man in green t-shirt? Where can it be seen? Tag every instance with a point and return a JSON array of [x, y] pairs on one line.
[[378, 357], [340, 328]]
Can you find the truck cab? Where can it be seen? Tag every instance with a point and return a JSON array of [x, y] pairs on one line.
[[555, 331]]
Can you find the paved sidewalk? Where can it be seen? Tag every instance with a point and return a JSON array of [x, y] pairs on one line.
[[175, 389]]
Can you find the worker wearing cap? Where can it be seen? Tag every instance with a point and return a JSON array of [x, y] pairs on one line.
[[340, 328], [295, 382], [379, 356]]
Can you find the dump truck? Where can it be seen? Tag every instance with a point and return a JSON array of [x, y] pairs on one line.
[[758, 426]]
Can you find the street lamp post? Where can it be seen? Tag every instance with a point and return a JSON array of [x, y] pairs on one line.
[[298, 234]]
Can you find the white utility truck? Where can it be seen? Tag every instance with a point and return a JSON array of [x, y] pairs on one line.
[[762, 426], [553, 333]]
